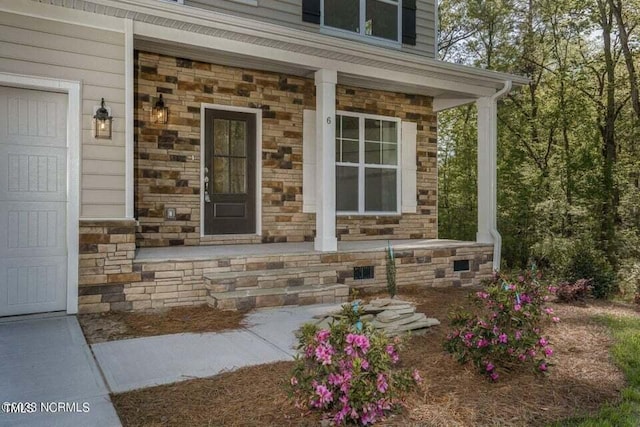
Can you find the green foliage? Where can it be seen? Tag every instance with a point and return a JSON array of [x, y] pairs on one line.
[[504, 329], [391, 272], [349, 371], [586, 262]]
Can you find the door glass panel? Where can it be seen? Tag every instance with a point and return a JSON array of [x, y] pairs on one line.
[[381, 20], [220, 175], [380, 190], [221, 136], [346, 188], [238, 140], [343, 14], [238, 176]]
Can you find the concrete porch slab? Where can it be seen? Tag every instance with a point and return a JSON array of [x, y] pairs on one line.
[[191, 253], [47, 360], [145, 362]]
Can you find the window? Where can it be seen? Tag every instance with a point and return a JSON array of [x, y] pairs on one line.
[[372, 18], [367, 172]]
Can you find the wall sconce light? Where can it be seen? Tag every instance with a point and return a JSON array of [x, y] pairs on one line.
[[102, 121], [160, 113]]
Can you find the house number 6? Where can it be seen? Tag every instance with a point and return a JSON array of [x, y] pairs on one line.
[[328, 120]]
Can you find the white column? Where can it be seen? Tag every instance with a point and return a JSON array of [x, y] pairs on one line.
[[487, 176], [325, 161]]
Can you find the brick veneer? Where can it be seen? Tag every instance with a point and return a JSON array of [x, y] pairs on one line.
[[168, 156], [107, 250]]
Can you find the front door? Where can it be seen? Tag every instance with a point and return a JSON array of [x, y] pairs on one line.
[[229, 173], [33, 201]]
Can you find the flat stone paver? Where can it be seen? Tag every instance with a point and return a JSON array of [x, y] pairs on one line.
[[47, 360], [145, 362]]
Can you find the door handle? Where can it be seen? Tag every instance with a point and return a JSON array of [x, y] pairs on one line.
[[207, 198]]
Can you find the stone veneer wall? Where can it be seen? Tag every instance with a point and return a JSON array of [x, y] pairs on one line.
[[107, 250], [168, 156]]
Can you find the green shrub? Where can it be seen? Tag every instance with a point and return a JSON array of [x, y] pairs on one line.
[[504, 331], [586, 262]]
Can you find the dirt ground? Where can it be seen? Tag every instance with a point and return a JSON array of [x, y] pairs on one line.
[[582, 379], [100, 327]]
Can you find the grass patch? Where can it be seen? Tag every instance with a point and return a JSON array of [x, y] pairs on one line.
[[626, 354]]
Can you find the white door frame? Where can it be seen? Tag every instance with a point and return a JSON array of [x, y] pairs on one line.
[[258, 114], [73, 90]]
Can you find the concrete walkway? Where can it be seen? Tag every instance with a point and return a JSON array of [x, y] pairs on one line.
[[268, 336], [46, 360]]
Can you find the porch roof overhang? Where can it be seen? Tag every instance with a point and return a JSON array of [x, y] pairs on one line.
[[210, 36]]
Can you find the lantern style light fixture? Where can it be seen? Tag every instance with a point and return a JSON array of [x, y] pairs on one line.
[[102, 122], [160, 112]]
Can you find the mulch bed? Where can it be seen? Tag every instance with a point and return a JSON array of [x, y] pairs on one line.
[[101, 327], [583, 379]]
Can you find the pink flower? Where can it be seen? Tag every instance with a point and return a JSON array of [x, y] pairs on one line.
[[494, 376], [555, 319], [482, 295], [324, 395], [521, 278], [543, 342], [543, 367], [324, 353], [382, 384], [548, 351], [482, 343], [335, 379], [360, 341], [517, 307], [503, 338], [416, 376], [468, 336], [552, 289], [490, 367], [322, 335], [532, 353], [522, 357], [364, 364], [518, 335], [293, 381], [548, 310]]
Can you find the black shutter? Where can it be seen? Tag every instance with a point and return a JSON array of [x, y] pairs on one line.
[[311, 11], [409, 22]]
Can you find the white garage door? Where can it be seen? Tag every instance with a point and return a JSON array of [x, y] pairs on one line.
[[33, 196]]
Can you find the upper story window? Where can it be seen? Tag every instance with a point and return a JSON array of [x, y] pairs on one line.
[[373, 18]]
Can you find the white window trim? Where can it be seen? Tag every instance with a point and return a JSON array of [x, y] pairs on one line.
[[361, 36], [362, 165], [258, 114]]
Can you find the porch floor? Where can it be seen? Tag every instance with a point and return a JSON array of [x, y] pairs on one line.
[[191, 253]]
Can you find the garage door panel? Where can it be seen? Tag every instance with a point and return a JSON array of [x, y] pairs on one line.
[[33, 117], [32, 284], [33, 201], [33, 173], [32, 229]]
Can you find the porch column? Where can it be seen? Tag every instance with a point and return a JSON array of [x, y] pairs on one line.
[[325, 161], [487, 176]]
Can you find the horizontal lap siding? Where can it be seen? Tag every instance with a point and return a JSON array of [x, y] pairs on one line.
[[39, 47], [289, 14]]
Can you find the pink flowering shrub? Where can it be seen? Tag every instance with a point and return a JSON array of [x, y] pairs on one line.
[[504, 331], [349, 372]]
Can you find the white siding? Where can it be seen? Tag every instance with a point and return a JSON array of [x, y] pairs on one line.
[[289, 14], [40, 47]]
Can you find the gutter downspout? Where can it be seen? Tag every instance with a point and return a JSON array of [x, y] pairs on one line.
[[495, 235]]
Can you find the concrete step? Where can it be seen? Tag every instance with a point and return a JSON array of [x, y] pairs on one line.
[[245, 299]]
